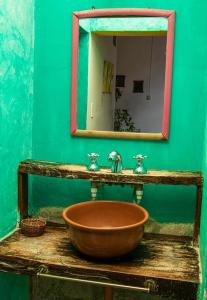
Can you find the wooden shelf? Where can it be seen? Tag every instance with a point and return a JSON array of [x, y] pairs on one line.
[[71, 171], [171, 262]]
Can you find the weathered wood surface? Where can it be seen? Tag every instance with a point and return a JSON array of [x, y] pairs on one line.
[[119, 135], [72, 171], [23, 195], [172, 262], [197, 213]]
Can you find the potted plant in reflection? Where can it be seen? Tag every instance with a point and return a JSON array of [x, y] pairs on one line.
[[122, 119]]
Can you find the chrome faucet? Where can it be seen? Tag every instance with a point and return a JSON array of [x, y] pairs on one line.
[[140, 168], [93, 165], [116, 160]]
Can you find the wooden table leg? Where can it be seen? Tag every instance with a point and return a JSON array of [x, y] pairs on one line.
[[108, 293], [197, 213], [23, 195]]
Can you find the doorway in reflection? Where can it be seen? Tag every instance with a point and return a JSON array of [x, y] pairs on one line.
[[126, 76]]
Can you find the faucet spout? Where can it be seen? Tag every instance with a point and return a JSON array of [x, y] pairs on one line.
[[116, 160]]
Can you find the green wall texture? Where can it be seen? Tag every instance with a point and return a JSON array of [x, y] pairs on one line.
[[16, 103], [51, 122], [203, 233]]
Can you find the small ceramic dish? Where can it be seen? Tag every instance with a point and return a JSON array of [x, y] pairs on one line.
[[33, 226]]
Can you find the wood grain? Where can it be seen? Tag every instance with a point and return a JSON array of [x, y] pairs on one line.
[[23, 194], [118, 134], [197, 213], [172, 262], [71, 171]]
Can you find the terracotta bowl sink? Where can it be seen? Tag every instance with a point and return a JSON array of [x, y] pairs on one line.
[[105, 228]]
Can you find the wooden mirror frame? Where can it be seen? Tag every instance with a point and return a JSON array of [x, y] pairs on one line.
[[125, 12]]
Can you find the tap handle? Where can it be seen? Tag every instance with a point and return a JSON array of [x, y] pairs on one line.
[[93, 155], [139, 157], [140, 168], [93, 165]]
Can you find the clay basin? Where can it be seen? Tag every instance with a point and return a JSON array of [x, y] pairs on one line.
[[105, 229]]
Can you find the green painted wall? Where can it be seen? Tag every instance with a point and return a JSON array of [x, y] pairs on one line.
[[16, 95], [16, 102], [51, 127], [14, 287], [203, 236]]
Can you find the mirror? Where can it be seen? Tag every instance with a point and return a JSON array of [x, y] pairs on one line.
[[121, 73]]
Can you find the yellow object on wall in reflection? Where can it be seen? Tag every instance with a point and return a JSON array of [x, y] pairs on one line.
[[108, 73]]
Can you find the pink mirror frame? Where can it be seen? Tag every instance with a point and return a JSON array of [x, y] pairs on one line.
[[125, 12]]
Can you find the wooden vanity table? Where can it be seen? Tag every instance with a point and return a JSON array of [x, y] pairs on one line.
[[163, 265]]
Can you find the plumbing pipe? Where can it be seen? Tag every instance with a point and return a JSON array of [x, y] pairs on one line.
[[139, 193]]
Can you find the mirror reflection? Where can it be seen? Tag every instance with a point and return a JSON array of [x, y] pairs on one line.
[[121, 74], [126, 83]]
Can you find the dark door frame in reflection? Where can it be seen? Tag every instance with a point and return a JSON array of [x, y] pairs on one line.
[[125, 12]]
